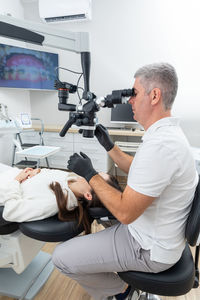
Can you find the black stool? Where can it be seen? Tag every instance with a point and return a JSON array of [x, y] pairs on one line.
[[179, 279]]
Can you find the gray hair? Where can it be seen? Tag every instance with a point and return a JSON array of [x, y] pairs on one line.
[[162, 76]]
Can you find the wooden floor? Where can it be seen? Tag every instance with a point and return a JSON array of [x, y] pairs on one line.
[[60, 287]]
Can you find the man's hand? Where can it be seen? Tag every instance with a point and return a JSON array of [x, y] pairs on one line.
[[103, 137], [81, 165]]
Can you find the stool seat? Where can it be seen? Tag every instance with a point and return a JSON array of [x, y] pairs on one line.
[[51, 229], [28, 145], [176, 281], [26, 164]]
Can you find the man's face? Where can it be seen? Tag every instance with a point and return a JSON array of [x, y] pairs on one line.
[[140, 103]]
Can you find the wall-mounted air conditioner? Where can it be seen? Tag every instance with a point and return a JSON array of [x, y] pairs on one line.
[[64, 10]]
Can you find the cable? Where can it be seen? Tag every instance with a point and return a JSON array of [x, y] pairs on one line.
[[79, 88], [81, 74], [67, 70]]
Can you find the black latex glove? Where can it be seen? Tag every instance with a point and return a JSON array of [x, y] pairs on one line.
[[81, 165], [103, 137]]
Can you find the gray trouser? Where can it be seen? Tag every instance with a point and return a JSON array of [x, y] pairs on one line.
[[92, 260]]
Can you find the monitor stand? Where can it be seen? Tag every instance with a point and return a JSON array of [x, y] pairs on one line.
[[128, 127]]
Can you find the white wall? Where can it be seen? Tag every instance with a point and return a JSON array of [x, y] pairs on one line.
[[17, 100], [126, 34], [13, 8]]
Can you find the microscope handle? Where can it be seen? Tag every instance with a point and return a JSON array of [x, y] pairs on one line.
[[69, 123]]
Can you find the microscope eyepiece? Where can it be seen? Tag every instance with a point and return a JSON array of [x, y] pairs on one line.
[[117, 97], [128, 92]]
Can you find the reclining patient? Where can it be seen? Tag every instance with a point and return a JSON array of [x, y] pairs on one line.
[[35, 194]]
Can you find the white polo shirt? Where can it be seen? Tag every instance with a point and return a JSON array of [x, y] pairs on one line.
[[164, 168]]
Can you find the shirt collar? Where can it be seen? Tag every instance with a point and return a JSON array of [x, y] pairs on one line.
[[169, 121]]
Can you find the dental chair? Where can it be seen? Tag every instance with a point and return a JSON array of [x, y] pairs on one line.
[[24, 268], [20, 243]]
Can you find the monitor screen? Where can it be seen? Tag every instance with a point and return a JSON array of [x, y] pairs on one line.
[[122, 113], [27, 68]]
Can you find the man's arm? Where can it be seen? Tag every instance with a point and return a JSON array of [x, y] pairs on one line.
[[122, 160], [126, 206]]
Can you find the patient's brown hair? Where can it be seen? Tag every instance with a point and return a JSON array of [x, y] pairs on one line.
[[80, 212]]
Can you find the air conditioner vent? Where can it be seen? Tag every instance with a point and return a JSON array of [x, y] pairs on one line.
[[66, 18], [65, 10]]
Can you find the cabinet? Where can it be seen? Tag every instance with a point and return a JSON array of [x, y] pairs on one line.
[[71, 143], [94, 150], [128, 141], [59, 160], [74, 142]]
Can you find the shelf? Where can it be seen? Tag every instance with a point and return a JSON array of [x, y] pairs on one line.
[[127, 149], [115, 132], [38, 152], [127, 146]]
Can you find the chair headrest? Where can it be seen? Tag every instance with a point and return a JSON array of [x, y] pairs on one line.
[[193, 222], [99, 212]]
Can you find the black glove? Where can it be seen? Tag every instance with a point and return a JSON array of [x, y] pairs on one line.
[[103, 137], [81, 165]]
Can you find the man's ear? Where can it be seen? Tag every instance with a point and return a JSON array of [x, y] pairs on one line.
[[88, 196], [155, 96]]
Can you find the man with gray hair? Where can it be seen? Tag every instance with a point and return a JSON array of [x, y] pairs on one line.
[[162, 76], [153, 208]]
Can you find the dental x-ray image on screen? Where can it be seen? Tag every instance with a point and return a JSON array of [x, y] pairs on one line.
[[27, 68]]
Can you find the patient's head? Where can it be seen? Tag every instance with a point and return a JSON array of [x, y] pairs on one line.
[[83, 191], [86, 198], [112, 181]]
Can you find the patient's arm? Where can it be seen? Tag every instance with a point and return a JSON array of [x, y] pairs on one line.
[[17, 207], [9, 189], [29, 209], [24, 175], [122, 159]]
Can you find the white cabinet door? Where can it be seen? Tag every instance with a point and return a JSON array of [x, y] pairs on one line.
[[59, 160], [32, 137], [93, 149], [71, 143]]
